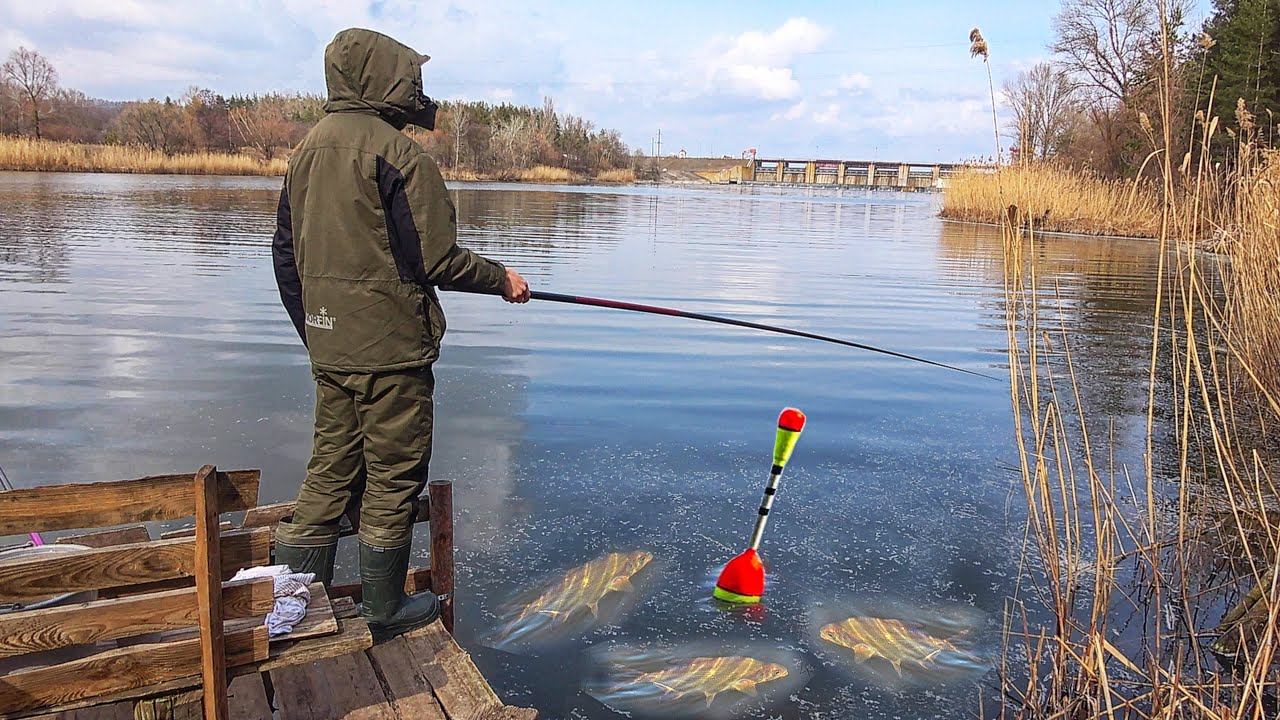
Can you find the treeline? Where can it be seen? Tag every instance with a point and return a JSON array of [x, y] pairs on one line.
[[494, 140], [1096, 103]]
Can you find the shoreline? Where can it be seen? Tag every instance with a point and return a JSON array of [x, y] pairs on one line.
[[30, 155], [1103, 236]]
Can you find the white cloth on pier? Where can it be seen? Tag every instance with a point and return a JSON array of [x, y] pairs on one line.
[[291, 595]]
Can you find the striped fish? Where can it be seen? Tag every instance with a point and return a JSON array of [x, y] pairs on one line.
[[587, 585], [710, 676], [892, 640]]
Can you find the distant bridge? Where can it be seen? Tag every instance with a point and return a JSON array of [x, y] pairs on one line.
[[844, 173]]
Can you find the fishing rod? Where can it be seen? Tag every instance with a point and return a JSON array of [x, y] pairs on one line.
[[6, 485], [671, 312]]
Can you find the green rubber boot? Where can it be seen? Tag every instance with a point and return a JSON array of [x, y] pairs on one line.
[[385, 605], [306, 552]]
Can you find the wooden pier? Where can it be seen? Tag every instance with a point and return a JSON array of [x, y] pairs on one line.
[[880, 175], [113, 624]]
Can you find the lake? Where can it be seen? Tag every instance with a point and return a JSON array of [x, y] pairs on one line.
[[141, 333]]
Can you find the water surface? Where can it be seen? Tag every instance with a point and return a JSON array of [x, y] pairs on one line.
[[141, 333]]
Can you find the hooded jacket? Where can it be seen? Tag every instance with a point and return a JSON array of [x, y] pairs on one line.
[[365, 229]]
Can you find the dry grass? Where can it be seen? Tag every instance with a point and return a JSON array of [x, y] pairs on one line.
[[1055, 198], [44, 155], [618, 175], [548, 174], [1151, 592], [1252, 242]]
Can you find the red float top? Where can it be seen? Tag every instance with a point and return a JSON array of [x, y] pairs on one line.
[[744, 575], [791, 419]]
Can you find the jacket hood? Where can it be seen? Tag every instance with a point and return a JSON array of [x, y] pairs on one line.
[[368, 72]]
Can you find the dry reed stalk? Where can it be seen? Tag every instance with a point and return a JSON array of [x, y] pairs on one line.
[[1055, 198], [45, 155], [546, 173], [1062, 661]]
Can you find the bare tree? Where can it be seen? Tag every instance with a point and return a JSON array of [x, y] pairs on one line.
[[513, 142], [460, 124], [157, 125], [1105, 42], [1045, 109], [10, 108], [267, 125], [35, 78]]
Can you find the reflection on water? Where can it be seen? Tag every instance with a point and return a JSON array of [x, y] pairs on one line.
[[141, 332]]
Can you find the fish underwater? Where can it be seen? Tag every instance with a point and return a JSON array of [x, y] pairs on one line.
[[702, 680], [572, 599], [897, 643], [710, 676]]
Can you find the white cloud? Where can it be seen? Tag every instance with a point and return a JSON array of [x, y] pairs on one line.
[[804, 112], [828, 116], [758, 64], [502, 94], [793, 113], [856, 81]]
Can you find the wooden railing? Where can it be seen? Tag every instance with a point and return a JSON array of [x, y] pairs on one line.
[[165, 618]]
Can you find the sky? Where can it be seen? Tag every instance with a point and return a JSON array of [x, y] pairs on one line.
[[854, 80]]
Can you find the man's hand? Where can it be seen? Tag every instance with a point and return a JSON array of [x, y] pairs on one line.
[[516, 290]]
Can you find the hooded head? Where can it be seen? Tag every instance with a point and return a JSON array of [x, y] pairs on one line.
[[368, 72]]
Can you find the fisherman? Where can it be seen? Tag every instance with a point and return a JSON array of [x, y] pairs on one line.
[[366, 232]]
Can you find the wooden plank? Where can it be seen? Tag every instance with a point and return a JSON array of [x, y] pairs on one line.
[[213, 652], [506, 712], [190, 531], [85, 623], [115, 711], [407, 688], [319, 619], [359, 694], [269, 515], [344, 607], [298, 693], [247, 698], [353, 636], [461, 689], [417, 580], [170, 706], [95, 505], [114, 671], [441, 494], [109, 567], [107, 538]]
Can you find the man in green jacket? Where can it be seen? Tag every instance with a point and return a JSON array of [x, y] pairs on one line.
[[366, 232]]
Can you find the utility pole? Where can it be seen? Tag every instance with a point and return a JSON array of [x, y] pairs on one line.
[[659, 153]]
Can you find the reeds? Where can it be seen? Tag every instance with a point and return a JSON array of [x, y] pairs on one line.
[[44, 155], [548, 174], [1124, 604], [622, 176], [1055, 198]]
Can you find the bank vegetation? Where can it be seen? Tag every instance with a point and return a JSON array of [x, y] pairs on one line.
[[44, 126], [1150, 589]]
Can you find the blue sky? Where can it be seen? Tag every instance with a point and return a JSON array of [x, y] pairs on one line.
[[853, 79]]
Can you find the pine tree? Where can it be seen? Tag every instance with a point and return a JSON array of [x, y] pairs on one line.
[[1244, 60]]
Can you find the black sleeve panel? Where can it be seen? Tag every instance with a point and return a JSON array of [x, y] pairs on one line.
[[287, 278]]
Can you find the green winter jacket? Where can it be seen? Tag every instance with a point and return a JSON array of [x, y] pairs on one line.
[[365, 228]]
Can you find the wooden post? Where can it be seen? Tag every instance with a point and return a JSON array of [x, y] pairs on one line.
[[213, 660], [904, 176], [840, 173], [782, 165], [811, 172], [440, 493], [871, 174]]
